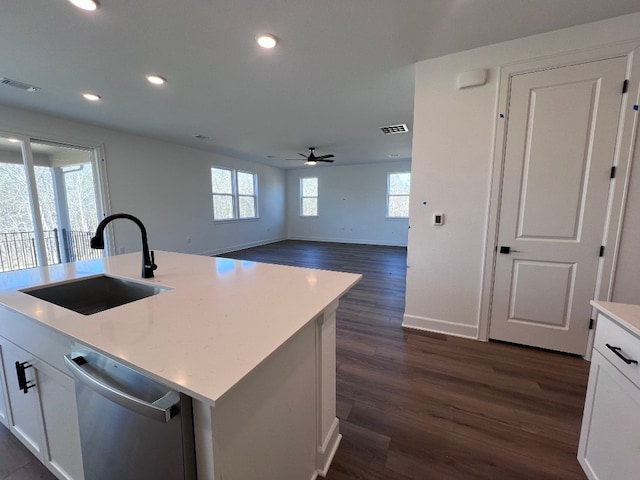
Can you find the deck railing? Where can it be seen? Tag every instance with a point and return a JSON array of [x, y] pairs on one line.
[[18, 249]]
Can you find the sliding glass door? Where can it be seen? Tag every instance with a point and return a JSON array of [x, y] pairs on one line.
[[49, 203]]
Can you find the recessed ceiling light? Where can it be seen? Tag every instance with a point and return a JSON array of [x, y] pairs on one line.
[[266, 40], [13, 140], [92, 97], [156, 79], [89, 5], [393, 155]]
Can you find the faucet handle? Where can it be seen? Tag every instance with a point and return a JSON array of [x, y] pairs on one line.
[[148, 264]]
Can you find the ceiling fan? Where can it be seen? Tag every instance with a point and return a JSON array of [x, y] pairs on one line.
[[312, 159]]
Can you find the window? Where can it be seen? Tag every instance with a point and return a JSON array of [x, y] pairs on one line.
[[234, 194], [398, 189], [309, 197], [48, 206]]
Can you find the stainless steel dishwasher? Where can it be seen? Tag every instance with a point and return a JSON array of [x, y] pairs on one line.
[[131, 427]]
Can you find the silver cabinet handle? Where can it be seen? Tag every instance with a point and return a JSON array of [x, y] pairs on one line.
[[161, 410]]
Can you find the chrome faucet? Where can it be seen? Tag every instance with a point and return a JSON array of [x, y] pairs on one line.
[[97, 242]]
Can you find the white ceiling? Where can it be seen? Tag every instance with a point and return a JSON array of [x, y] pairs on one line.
[[342, 69]]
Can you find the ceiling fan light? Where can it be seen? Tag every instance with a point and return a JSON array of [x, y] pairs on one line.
[[311, 163], [266, 40], [88, 5]]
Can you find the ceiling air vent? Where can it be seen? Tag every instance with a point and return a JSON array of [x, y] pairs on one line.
[[392, 129], [20, 85]]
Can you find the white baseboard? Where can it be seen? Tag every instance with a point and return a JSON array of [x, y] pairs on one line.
[[440, 326], [242, 246], [329, 448], [347, 240]]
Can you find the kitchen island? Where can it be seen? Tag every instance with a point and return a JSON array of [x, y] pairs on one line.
[[253, 344], [610, 433]]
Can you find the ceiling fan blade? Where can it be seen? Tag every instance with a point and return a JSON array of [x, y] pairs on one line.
[[302, 154], [320, 159], [296, 159], [326, 156]]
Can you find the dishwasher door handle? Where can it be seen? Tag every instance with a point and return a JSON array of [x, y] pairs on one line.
[[162, 409]]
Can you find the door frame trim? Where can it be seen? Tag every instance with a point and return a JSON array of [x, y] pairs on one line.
[[623, 154]]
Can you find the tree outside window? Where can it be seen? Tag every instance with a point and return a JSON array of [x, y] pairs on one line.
[[309, 197], [398, 189], [234, 194]]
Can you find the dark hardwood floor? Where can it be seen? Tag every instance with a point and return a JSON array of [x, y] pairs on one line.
[[423, 406], [426, 406]]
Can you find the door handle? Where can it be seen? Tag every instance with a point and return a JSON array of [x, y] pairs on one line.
[[506, 250], [616, 350], [162, 410], [23, 383]]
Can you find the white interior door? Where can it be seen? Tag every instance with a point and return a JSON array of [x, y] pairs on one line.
[[561, 137]]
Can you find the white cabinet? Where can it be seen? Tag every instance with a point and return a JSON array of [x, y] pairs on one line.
[[25, 421], [44, 418], [60, 420], [4, 412], [610, 436]]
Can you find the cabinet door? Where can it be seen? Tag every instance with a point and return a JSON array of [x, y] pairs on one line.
[[60, 416], [4, 410], [610, 432], [26, 418]]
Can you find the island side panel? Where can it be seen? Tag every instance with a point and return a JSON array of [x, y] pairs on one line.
[[203, 439], [328, 429], [265, 427]]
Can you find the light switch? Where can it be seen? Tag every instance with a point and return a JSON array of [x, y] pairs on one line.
[[438, 219]]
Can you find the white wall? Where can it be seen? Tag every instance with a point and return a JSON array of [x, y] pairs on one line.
[[352, 205], [626, 287], [167, 186], [452, 156]]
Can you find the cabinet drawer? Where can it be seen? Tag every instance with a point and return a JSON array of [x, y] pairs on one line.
[[610, 339]]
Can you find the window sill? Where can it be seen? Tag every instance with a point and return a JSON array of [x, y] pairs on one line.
[[232, 220]]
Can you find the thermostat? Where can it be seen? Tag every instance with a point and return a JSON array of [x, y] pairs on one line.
[[438, 218]]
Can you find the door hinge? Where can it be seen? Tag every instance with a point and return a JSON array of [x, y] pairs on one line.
[[613, 172], [625, 86], [591, 324], [601, 251]]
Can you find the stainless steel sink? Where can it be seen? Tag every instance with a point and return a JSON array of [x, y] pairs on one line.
[[94, 294]]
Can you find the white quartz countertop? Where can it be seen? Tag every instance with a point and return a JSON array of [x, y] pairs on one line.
[[220, 319], [628, 316]]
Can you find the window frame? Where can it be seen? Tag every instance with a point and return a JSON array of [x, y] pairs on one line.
[[254, 177], [235, 195], [303, 197], [389, 195]]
